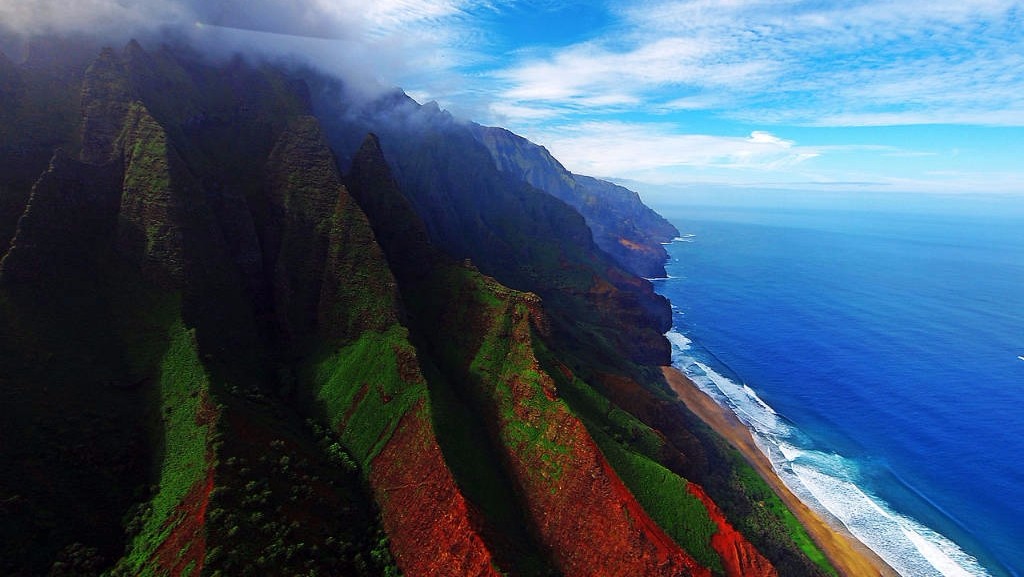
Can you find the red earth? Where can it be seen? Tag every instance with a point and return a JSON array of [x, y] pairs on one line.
[[185, 547], [424, 512], [739, 557]]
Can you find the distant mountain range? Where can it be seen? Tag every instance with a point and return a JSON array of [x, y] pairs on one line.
[[253, 325]]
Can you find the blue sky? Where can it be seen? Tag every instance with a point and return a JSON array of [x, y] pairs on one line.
[[881, 95]]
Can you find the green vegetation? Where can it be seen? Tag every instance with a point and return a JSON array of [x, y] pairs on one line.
[[289, 500], [755, 487], [487, 404], [78, 380], [363, 390], [187, 433], [147, 171], [663, 495], [632, 449], [507, 376], [751, 506]]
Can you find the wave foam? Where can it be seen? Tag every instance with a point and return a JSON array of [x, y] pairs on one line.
[[684, 238], [827, 482], [678, 341], [907, 546]]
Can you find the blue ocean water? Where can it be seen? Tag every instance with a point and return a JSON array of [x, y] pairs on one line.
[[874, 351]]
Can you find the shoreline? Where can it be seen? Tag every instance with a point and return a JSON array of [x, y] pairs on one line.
[[848, 555]]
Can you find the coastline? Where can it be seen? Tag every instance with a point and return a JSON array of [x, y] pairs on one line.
[[848, 555]]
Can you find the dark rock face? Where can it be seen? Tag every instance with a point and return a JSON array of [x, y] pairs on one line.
[[304, 186], [106, 100], [39, 112], [396, 225], [233, 213], [72, 207], [623, 226], [629, 231], [162, 206], [10, 87]]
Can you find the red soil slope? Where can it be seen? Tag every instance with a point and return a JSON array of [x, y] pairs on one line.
[[738, 555], [183, 552], [582, 512], [590, 520], [185, 548], [424, 512]]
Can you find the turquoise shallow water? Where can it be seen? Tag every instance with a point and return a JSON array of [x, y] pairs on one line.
[[874, 352]]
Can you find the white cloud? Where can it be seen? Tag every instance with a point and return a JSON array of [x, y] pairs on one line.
[[507, 111], [702, 102], [323, 18], [41, 16], [396, 14], [762, 137], [796, 61], [657, 151], [389, 40], [593, 71]]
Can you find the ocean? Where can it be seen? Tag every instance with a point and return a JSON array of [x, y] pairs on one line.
[[874, 346]]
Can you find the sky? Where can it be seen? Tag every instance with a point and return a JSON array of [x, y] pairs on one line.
[[872, 95]]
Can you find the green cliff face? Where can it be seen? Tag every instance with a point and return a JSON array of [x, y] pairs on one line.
[[240, 336]]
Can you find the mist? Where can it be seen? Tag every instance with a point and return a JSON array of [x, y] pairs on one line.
[[370, 48]]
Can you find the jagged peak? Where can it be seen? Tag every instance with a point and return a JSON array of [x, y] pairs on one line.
[[306, 125], [133, 53], [372, 140], [370, 153], [375, 189], [106, 96], [107, 56], [133, 47]]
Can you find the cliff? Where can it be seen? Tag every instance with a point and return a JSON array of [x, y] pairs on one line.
[[623, 226], [242, 336]]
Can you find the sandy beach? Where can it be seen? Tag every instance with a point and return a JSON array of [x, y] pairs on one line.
[[849, 556]]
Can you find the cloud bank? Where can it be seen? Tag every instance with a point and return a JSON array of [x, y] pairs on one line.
[[657, 89], [386, 41]]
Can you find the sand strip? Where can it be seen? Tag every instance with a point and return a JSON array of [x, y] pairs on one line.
[[848, 555]]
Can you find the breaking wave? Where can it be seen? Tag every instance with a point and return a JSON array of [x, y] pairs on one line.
[[827, 482]]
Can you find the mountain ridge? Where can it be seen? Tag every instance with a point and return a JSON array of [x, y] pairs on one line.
[[282, 345], [625, 228]]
